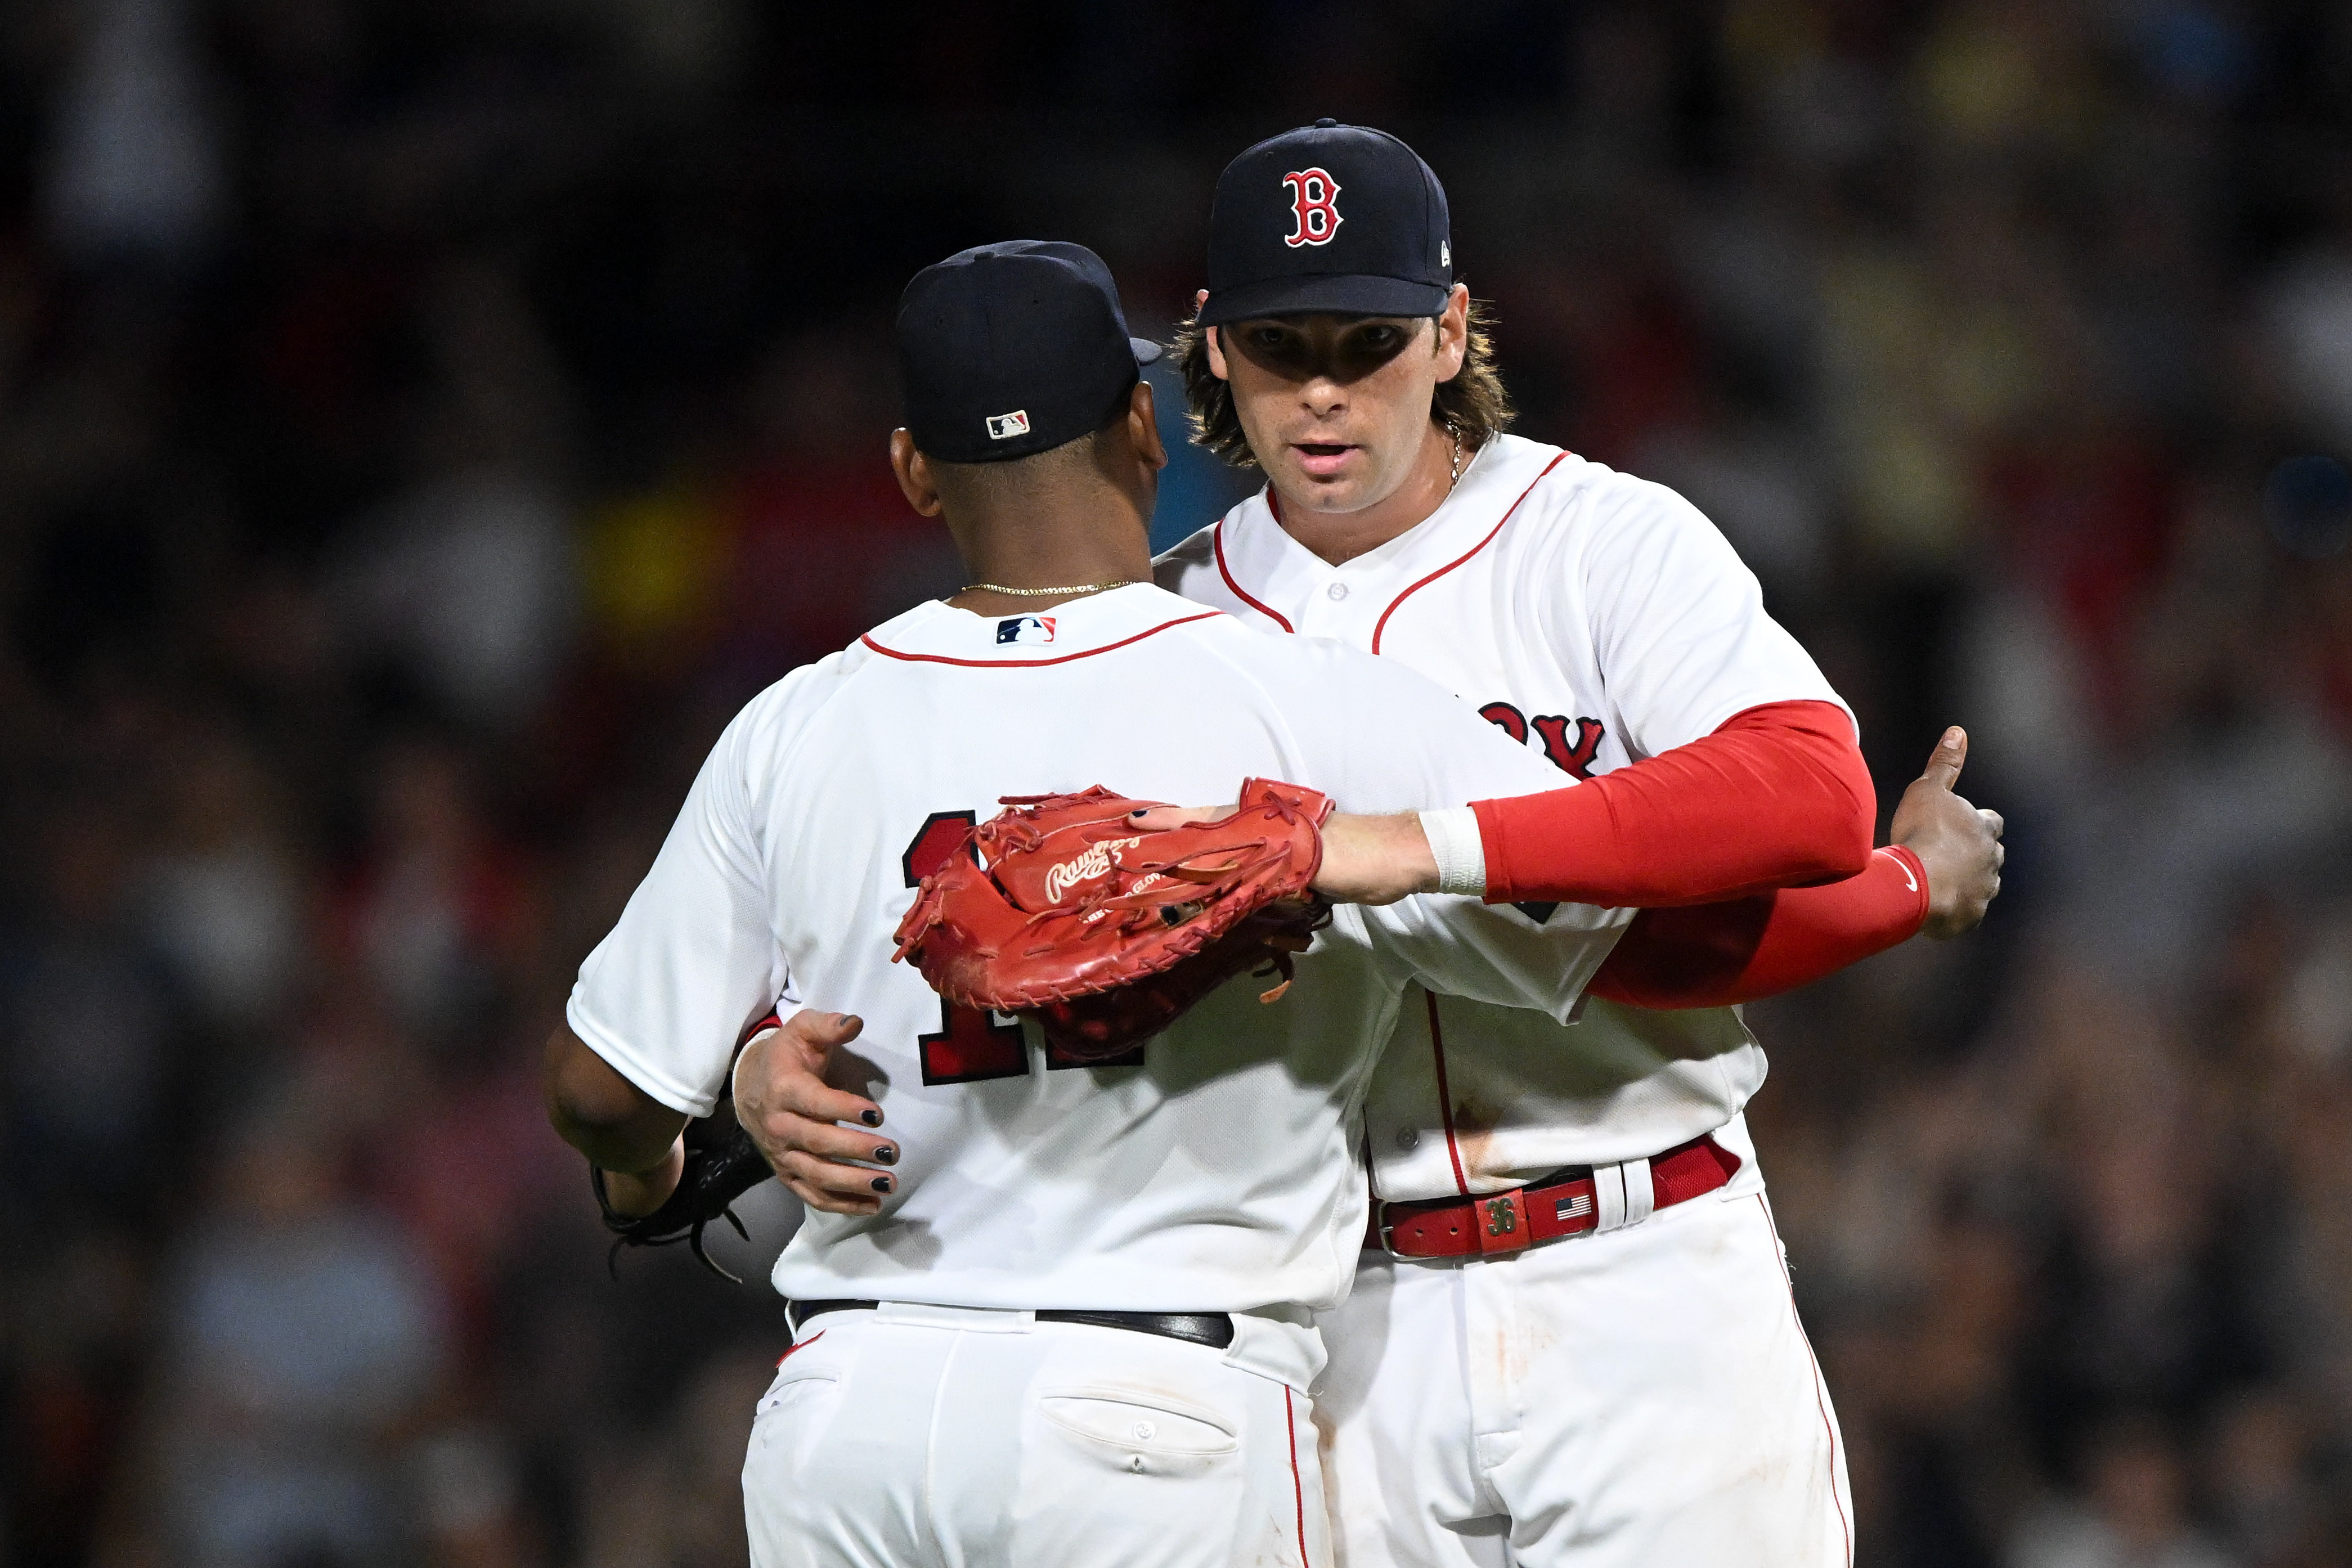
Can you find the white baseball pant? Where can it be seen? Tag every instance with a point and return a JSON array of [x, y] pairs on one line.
[[1629, 1399], [965, 1437]]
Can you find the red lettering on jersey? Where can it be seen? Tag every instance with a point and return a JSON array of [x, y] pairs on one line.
[[1507, 719], [1313, 205], [970, 1044], [1571, 758], [1575, 760]]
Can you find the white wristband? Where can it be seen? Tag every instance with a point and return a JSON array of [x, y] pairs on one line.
[[1461, 854]]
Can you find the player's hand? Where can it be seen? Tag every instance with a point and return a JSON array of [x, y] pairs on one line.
[[1959, 843], [1366, 860], [783, 1100]]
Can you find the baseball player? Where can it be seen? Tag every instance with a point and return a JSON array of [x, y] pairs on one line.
[[1078, 1330], [1646, 1395], [1641, 1394]]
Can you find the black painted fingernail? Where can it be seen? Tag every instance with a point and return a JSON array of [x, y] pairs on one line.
[[841, 1019], [881, 1184], [871, 1118], [885, 1155]]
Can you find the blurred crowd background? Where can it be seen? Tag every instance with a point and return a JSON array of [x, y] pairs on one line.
[[423, 423]]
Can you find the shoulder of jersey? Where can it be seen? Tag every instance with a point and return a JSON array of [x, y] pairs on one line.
[[1552, 478], [1567, 497], [1189, 567], [1575, 483], [1195, 551], [786, 703], [806, 687]]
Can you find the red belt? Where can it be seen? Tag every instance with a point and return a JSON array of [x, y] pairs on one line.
[[1521, 1217]]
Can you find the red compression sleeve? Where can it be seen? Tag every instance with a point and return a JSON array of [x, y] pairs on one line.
[[1713, 955], [1778, 797]]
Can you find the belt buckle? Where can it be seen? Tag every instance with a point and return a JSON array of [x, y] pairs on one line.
[[1502, 1222]]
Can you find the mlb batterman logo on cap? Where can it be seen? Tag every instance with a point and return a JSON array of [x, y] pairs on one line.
[[1014, 349], [1329, 217]]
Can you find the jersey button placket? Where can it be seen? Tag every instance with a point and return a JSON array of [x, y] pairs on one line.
[[1321, 611], [1354, 606]]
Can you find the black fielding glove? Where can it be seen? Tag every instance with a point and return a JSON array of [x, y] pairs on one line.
[[722, 1164]]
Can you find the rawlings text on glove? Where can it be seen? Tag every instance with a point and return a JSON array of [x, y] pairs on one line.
[[1064, 910]]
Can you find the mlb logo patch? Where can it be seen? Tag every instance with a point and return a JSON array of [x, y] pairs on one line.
[[1005, 426], [1025, 629]]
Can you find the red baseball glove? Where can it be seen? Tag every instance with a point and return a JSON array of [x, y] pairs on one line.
[[1060, 908]]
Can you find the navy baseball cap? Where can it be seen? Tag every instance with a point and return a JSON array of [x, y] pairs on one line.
[[1014, 349], [1330, 217]]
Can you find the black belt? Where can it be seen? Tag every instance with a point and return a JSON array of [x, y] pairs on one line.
[[1214, 1330]]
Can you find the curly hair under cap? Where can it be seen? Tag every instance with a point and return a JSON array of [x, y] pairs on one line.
[[1473, 404]]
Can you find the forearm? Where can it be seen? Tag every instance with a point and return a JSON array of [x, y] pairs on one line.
[[1778, 797], [1712, 956]]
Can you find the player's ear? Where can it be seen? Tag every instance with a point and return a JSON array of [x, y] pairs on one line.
[[1143, 425], [1216, 353], [1454, 333], [913, 471]]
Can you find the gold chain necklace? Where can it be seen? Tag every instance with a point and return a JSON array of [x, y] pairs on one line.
[[1050, 592]]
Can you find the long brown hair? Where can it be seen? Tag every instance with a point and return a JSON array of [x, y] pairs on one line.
[[1474, 404]]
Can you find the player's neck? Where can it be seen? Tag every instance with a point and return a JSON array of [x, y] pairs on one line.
[[1059, 542], [1340, 537]]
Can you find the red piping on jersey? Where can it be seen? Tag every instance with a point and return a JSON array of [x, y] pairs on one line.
[[1217, 539], [1382, 625], [802, 1345], [1444, 1094], [1844, 1529], [1297, 1486], [1032, 663]]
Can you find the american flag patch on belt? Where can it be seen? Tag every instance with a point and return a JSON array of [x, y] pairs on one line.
[[1575, 1208]]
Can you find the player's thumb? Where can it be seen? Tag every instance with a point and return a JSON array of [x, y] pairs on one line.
[[1944, 762], [813, 1034]]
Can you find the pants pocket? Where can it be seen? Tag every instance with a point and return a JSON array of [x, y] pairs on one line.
[[783, 1385], [791, 1418], [1140, 1431]]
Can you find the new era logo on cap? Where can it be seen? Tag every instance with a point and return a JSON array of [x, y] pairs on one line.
[[1005, 426], [1025, 629]]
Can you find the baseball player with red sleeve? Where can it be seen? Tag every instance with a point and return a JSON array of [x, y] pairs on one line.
[[1642, 1394], [1075, 1327]]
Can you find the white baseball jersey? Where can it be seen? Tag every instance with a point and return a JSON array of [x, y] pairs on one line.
[[1595, 619], [1216, 1173]]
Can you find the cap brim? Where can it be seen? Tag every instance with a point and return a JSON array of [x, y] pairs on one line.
[[1146, 351], [1314, 294]]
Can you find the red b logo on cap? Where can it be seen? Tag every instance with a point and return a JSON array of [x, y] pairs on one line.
[[1314, 203]]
